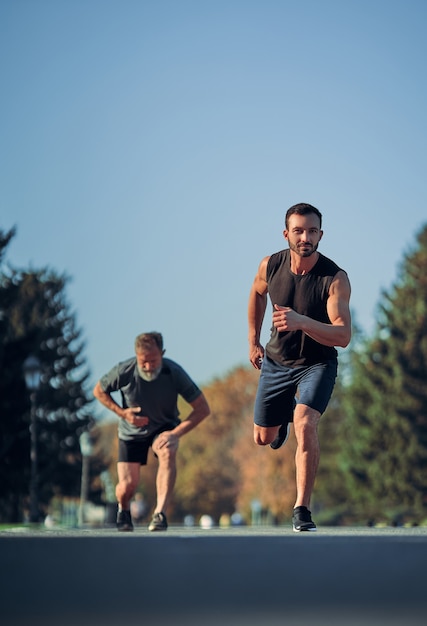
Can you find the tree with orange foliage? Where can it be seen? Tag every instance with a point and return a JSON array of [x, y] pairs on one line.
[[209, 472]]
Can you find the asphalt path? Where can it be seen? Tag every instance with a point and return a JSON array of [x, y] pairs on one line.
[[218, 577]]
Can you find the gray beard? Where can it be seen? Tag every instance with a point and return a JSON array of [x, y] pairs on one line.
[[149, 376]]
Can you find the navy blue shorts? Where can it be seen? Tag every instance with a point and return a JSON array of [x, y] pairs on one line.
[[278, 385]]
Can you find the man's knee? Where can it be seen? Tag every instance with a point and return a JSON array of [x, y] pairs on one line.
[[263, 436], [260, 441], [306, 421], [125, 488], [165, 447], [128, 477], [304, 413], [166, 454]]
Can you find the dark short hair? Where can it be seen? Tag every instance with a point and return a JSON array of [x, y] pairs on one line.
[[302, 209], [147, 341]]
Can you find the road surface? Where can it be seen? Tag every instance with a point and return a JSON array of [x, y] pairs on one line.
[[219, 577]]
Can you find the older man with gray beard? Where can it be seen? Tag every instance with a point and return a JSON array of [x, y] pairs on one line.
[[149, 386]]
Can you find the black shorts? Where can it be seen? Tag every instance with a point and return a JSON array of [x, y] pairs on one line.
[[136, 450]]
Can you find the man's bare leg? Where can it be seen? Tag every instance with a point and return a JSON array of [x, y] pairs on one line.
[[128, 475], [307, 455], [166, 474]]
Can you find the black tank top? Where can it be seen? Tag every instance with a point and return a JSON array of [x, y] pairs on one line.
[[307, 294]]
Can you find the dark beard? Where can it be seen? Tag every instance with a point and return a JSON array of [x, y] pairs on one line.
[[303, 253]]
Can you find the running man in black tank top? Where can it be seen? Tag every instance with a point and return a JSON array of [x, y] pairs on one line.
[[310, 296]]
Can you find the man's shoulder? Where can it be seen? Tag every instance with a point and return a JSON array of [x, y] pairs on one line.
[[276, 259], [131, 361], [119, 375], [128, 365], [329, 265], [178, 374], [280, 254], [171, 366]]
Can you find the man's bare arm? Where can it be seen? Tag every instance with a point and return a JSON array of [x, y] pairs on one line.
[[256, 311], [200, 411], [129, 414], [338, 332]]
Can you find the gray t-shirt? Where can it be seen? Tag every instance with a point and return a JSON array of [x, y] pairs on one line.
[[158, 399]]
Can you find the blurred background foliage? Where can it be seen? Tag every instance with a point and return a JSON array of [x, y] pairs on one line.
[[373, 435]]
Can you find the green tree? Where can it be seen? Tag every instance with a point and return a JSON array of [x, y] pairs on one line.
[[330, 499], [385, 452], [36, 319]]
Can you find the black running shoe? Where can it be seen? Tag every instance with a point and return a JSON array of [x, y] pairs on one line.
[[124, 521], [159, 522], [301, 520], [282, 436]]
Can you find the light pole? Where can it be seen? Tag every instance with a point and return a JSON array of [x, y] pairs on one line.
[[86, 450], [32, 374]]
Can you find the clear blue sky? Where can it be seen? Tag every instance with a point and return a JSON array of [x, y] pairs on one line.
[[150, 150]]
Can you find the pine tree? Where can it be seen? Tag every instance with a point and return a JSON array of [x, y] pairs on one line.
[[36, 319], [385, 453], [329, 500]]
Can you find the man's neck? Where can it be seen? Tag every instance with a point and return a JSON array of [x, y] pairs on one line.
[[303, 265]]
